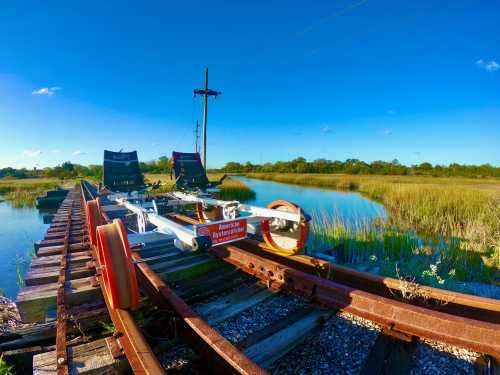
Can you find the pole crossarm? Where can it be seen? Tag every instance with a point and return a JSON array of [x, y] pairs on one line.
[[206, 92], [209, 92]]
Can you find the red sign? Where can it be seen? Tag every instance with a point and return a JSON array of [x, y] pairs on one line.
[[226, 231]]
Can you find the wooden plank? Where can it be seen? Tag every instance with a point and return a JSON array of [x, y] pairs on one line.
[[191, 269], [388, 355], [60, 234], [185, 260], [212, 287], [37, 334], [34, 301], [53, 250], [58, 242], [234, 303], [270, 349], [54, 260], [90, 358], [45, 275], [274, 327]]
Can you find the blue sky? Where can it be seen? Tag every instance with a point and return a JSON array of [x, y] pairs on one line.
[[373, 80]]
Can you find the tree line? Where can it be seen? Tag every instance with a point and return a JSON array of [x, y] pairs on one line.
[[355, 166], [69, 170]]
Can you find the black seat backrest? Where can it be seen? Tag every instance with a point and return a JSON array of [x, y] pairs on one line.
[[189, 172], [121, 171]]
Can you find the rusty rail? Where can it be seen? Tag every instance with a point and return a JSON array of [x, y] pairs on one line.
[[458, 304], [62, 326], [130, 340], [396, 316]]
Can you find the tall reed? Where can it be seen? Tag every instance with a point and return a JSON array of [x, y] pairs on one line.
[[389, 249], [468, 209]]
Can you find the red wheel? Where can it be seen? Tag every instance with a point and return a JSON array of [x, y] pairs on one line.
[[94, 219], [282, 236], [118, 272], [212, 213]]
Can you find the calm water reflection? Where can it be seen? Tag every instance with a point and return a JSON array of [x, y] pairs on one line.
[[19, 228], [352, 207]]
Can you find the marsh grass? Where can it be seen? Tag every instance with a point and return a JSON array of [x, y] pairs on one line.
[[230, 189], [392, 252], [468, 209], [23, 192]]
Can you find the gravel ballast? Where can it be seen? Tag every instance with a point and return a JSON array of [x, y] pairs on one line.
[[440, 359], [340, 347], [259, 316]]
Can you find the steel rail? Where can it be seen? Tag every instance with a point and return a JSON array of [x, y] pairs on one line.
[[139, 354], [459, 304], [218, 353], [483, 337], [62, 326]]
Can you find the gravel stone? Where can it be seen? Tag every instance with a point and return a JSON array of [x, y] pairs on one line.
[[440, 359], [177, 357], [340, 347], [259, 316]]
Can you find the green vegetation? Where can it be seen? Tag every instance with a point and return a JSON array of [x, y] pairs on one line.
[[443, 207], [382, 247], [235, 190], [229, 190], [23, 192], [355, 166], [5, 368], [68, 170], [108, 327]]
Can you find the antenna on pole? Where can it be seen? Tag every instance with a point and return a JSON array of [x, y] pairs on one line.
[[206, 93]]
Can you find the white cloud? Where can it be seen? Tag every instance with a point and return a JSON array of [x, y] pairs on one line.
[[78, 152], [490, 66], [31, 153], [387, 132], [391, 112], [55, 151], [326, 130], [49, 91]]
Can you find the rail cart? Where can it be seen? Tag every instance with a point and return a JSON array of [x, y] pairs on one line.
[[282, 225]]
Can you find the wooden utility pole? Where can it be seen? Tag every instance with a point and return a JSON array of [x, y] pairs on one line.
[[206, 93], [196, 137]]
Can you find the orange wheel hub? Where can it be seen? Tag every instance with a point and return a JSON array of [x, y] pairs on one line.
[[284, 237]]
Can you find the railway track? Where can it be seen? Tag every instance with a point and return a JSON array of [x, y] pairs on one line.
[[239, 308]]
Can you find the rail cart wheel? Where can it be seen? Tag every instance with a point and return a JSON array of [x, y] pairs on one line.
[[118, 272], [94, 219], [282, 236], [212, 213]]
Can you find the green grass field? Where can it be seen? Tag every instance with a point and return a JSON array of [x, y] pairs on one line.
[[229, 190], [23, 192]]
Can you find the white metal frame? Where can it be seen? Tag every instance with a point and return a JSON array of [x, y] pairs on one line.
[[189, 235]]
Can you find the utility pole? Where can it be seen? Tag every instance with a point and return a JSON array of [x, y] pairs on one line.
[[206, 93], [196, 137]]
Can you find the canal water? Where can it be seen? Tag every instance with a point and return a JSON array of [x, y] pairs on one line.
[[19, 228], [348, 206]]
